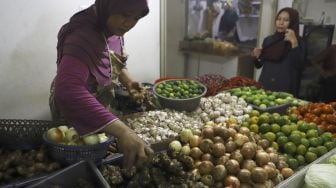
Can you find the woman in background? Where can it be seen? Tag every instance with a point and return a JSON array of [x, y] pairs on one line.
[[282, 55], [90, 64]]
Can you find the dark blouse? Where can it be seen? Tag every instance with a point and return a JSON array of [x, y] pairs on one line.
[[283, 75]]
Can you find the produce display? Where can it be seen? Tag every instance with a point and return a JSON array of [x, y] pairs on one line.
[[218, 83], [299, 141], [69, 136], [262, 98], [232, 139], [179, 89], [324, 115], [155, 126], [19, 165]]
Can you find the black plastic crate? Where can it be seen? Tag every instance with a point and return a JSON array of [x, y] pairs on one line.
[[71, 176], [281, 109], [23, 134]]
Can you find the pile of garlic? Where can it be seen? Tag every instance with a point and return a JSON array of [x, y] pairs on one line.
[[155, 126], [221, 107]]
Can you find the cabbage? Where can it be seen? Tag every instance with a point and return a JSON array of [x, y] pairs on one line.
[[332, 160], [321, 175]]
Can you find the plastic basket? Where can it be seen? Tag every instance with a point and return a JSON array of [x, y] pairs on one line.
[[281, 109], [70, 177], [23, 134], [69, 154]]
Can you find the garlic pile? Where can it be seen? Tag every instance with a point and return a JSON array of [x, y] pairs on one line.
[[155, 126], [221, 107]]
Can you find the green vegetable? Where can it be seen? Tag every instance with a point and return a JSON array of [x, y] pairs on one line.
[[321, 175]]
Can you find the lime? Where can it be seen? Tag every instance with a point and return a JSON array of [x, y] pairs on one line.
[[254, 120], [301, 159], [263, 118], [313, 150], [303, 127], [327, 136], [321, 150], [294, 126], [275, 146], [254, 128], [293, 163], [305, 142], [282, 140], [270, 136], [264, 128], [312, 133], [278, 134], [290, 148], [293, 118], [310, 157], [314, 142], [301, 149], [275, 127], [245, 124], [254, 113], [286, 129], [312, 125], [329, 145], [295, 138], [262, 106]]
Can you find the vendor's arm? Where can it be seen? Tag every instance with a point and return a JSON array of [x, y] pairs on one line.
[[79, 107]]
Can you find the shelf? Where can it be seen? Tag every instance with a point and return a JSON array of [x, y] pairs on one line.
[[249, 16]]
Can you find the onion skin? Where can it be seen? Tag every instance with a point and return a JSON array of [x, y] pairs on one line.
[[206, 145], [218, 149], [207, 157], [244, 176], [219, 173], [208, 132], [248, 150], [194, 141], [55, 135], [287, 172], [205, 167], [196, 153], [249, 165], [232, 181], [262, 158], [232, 166], [259, 175]]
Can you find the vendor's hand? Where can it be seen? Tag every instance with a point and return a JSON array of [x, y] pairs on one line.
[[256, 52], [135, 150], [136, 91], [291, 37]]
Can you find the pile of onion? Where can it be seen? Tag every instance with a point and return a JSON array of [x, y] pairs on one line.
[[232, 157]]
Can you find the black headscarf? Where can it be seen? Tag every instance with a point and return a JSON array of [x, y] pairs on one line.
[[277, 48]]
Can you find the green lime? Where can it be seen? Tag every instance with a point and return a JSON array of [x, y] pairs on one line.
[[286, 129], [275, 146], [245, 124], [301, 159], [294, 127], [327, 136], [313, 150], [295, 138], [293, 163], [321, 150], [314, 142], [278, 134], [254, 128], [310, 157], [312, 133], [254, 113], [303, 127], [270, 136], [305, 142], [275, 127], [312, 125], [329, 145], [263, 118], [301, 149], [290, 148], [282, 140], [264, 128], [293, 118]]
